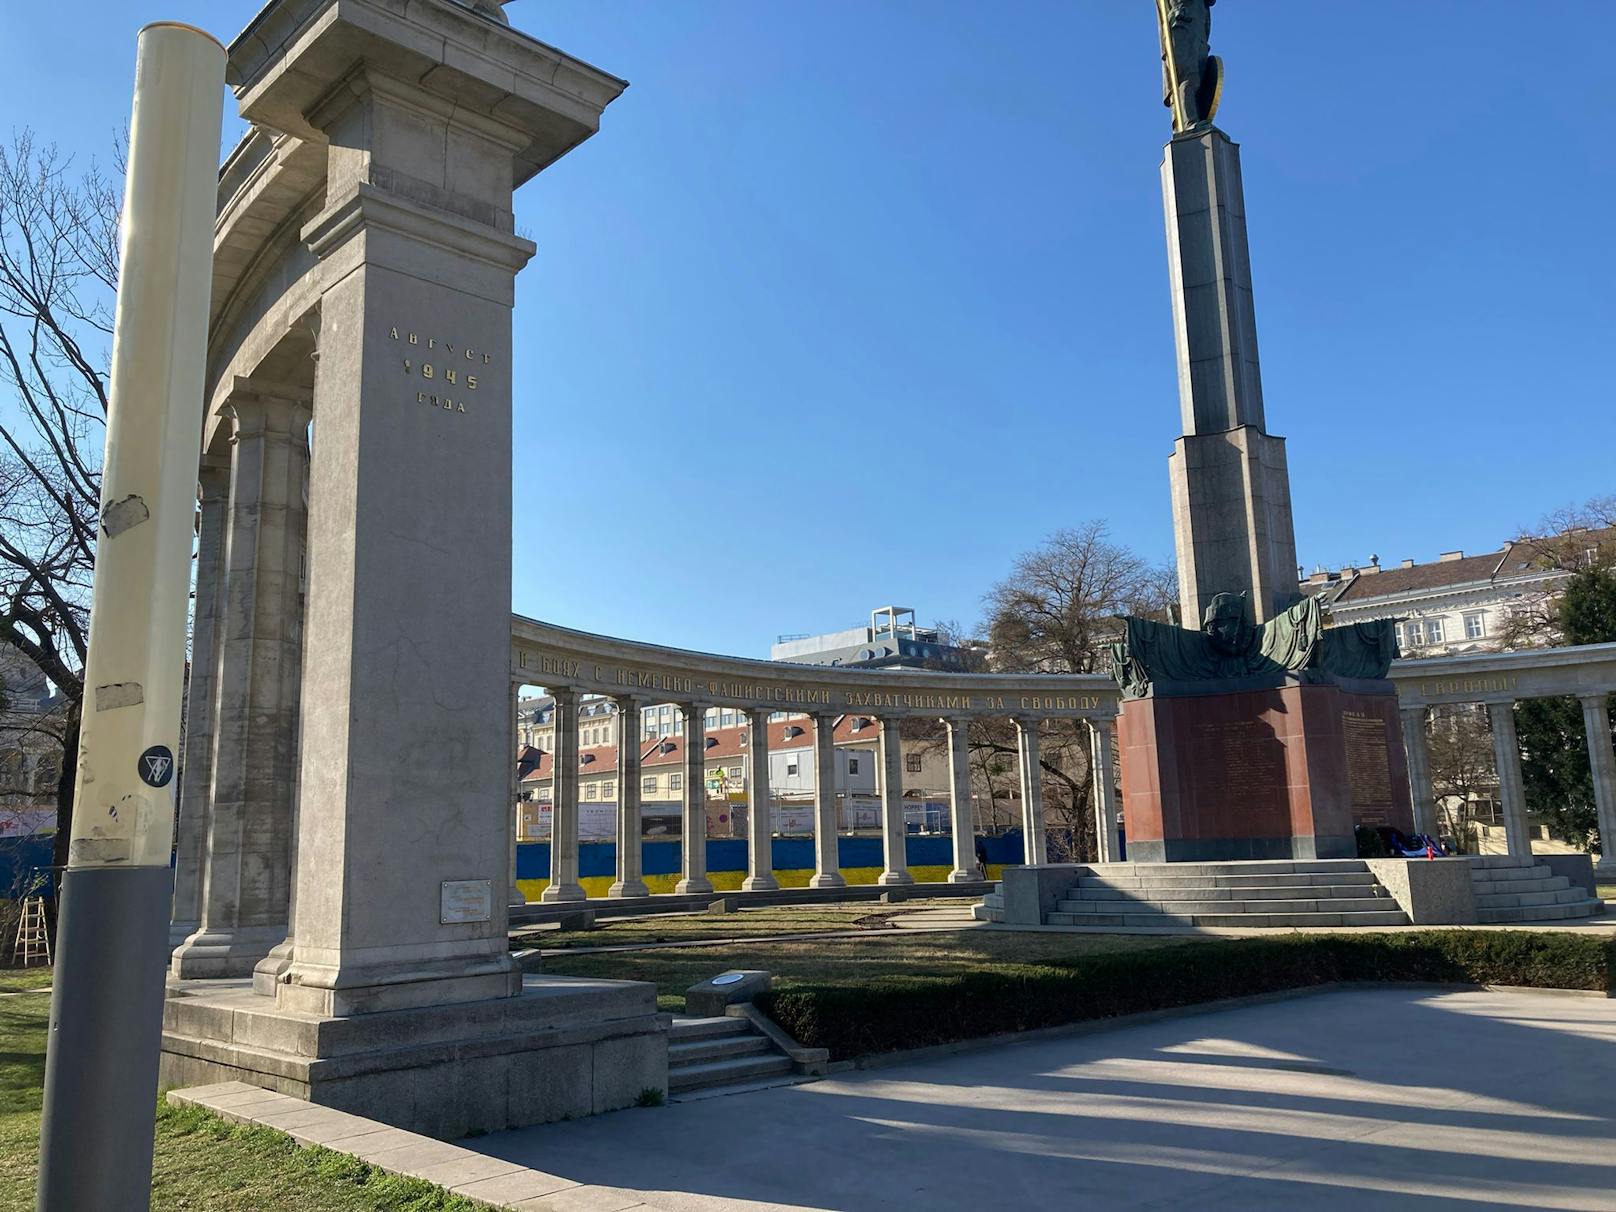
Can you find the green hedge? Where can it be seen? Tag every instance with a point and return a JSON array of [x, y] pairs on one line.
[[891, 1013]]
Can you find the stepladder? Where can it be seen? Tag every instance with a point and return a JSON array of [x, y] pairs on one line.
[[33, 936]]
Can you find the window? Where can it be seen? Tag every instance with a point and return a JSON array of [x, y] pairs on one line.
[[1475, 626], [852, 765], [676, 782], [911, 763], [792, 767], [1413, 635], [546, 794], [608, 789], [591, 791], [1433, 631], [648, 785]]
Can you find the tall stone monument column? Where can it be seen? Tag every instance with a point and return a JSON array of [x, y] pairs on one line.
[[196, 772], [827, 842], [431, 115], [246, 881], [693, 878], [630, 879], [1230, 483], [759, 807], [894, 831]]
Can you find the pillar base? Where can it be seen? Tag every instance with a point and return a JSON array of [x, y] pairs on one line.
[[698, 883], [341, 992], [889, 878], [630, 888], [210, 954], [562, 1048], [562, 892], [267, 975], [760, 883], [827, 879], [963, 877], [178, 932]]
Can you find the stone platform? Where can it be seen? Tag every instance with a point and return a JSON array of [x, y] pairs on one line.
[[1291, 895], [564, 1047]]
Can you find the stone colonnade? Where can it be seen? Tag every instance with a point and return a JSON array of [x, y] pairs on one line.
[[1497, 681], [564, 883]]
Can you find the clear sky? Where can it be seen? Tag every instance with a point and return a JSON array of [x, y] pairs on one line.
[[850, 301]]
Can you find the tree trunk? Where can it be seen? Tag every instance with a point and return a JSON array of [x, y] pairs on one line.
[[66, 781]]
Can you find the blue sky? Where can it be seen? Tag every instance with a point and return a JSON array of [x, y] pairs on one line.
[[849, 303]]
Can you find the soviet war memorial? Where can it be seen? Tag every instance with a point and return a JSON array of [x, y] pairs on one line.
[[396, 364]]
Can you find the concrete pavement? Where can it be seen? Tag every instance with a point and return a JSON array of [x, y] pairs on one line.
[[1371, 1098]]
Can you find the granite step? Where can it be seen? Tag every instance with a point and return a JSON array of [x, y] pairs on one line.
[[1276, 880], [1298, 921], [1505, 900], [1549, 883], [1191, 905], [685, 1030], [1245, 867], [732, 1071], [719, 1047], [1541, 913], [1511, 875], [1194, 892]]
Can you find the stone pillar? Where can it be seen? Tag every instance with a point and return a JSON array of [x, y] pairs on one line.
[[894, 836], [694, 878], [515, 815], [827, 830], [1032, 794], [1417, 744], [1511, 789], [1108, 843], [759, 808], [630, 879], [196, 763], [1602, 765], [1230, 481], [564, 885], [247, 875], [962, 823]]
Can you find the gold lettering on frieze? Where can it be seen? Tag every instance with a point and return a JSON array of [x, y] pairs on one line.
[[876, 699], [1496, 684], [642, 679], [1059, 702], [559, 666]]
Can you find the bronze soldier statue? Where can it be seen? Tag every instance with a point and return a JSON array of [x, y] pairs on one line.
[[1192, 77]]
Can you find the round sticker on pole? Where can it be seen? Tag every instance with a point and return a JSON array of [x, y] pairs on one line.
[[156, 766]]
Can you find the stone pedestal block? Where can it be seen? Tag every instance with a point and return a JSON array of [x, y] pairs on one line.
[[564, 1048], [1281, 773]]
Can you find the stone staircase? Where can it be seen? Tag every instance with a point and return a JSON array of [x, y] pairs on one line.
[[721, 1056], [1526, 890], [1280, 894]]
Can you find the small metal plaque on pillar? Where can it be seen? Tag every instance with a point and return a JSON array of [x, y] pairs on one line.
[[466, 901]]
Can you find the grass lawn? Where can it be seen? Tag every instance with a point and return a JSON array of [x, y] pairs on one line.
[[1607, 892], [744, 923], [202, 1162], [845, 961]]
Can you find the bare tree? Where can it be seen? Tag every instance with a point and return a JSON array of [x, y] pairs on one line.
[[1057, 612], [1461, 755], [1568, 540], [58, 282]]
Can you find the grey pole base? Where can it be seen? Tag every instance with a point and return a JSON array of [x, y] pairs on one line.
[[106, 1025]]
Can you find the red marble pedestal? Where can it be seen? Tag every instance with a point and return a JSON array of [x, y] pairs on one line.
[[1283, 773]]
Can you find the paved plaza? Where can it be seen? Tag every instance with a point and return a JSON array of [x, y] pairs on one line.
[[1381, 1098]]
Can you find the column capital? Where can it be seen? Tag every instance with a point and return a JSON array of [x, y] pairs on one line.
[[631, 702], [694, 708], [564, 696], [1595, 698], [255, 406], [1412, 711]]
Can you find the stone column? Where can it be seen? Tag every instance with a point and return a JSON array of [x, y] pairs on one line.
[[196, 763], [963, 823], [827, 857], [564, 885], [1602, 765], [759, 808], [247, 875], [1230, 480], [1511, 790], [630, 879], [516, 896], [1417, 744], [894, 847], [694, 878], [1032, 794], [1107, 841]]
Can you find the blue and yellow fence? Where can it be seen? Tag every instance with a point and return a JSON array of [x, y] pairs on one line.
[[930, 861]]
